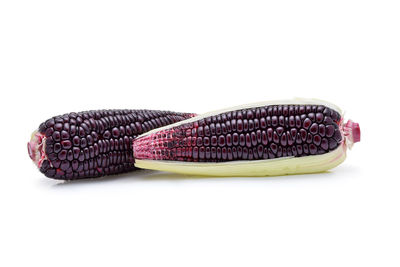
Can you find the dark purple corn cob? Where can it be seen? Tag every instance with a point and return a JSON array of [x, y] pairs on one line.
[[265, 132], [93, 143]]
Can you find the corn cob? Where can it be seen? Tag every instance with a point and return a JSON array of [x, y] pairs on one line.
[[93, 143], [270, 138]]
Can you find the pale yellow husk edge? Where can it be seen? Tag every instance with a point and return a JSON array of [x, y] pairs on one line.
[[268, 167]]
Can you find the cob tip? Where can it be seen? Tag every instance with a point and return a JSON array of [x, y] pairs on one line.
[[36, 149], [352, 133]]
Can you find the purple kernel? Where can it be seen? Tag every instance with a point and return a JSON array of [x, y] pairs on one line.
[[314, 128], [306, 124]]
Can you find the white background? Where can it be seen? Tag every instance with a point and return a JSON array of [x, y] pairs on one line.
[[197, 56]]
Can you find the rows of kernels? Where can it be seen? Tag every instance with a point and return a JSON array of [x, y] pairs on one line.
[[257, 133], [96, 143]]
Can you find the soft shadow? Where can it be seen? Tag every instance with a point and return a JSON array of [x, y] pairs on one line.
[[149, 175], [165, 176], [130, 176]]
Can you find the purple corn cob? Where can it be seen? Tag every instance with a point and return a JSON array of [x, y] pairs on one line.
[[256, 133], [93, 143], [244, 141]]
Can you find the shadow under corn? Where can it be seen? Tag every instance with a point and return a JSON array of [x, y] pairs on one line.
[[151, 176]]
